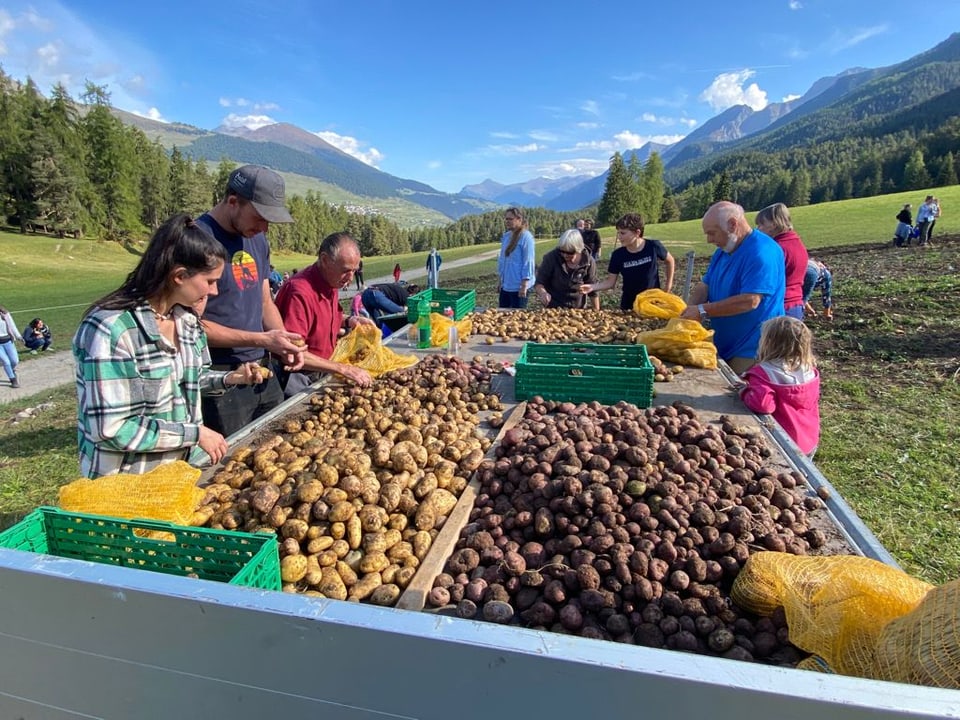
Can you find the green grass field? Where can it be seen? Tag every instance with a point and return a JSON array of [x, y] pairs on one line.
[[890, 362]]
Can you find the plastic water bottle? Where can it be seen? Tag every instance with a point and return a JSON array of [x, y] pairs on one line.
[[453, 340], [423, 323]]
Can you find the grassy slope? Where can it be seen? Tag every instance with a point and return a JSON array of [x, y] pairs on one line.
[[890, 443]]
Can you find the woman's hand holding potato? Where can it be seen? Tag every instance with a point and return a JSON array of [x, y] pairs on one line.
[[355, 374], [248, 374], [587, 288]]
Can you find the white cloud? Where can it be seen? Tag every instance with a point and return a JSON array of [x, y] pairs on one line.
[[6, 25], [566, 168], [632, 77], [434, 165], [251, 122], [503, 135], [791, 96], [623, 140], [666, 120], [727, 90], [352, 146], [795, 4], [543, 135], [151, 114], [590, 106], [844, 41], [515, 149], [49, 55], [588, 125]]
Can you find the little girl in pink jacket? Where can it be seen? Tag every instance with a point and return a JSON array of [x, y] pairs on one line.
[[785, 383]]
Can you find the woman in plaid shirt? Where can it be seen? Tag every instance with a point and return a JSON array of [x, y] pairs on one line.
[[142, 359]]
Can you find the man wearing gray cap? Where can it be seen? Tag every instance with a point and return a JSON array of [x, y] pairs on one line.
[[241, 319]]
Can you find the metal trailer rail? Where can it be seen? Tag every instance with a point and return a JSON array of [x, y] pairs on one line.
[[84, 640]]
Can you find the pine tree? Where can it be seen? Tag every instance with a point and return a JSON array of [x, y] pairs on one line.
[[652, 188], [948, 173], [798, 193], [723, 189], [915, 175], [619, 193]]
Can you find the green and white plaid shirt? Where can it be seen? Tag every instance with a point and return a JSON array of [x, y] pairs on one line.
[[138, 397]]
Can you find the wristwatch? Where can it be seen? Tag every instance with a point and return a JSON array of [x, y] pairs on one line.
[[703, 313]]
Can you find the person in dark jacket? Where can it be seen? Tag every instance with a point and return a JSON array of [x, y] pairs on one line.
[[386, 299], [36, 336], [904, 229]]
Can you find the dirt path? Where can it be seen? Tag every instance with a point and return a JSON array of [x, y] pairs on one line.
[[51, 369]]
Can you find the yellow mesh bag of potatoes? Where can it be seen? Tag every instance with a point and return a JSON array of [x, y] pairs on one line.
[[440, 329], [363, 347], [686, 342], [657, 303], [168, 492], [858, 616]]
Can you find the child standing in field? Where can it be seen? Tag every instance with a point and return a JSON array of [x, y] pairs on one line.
[[785, 382]]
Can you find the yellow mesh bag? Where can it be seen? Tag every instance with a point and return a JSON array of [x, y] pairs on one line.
[[682, 341], [440, 329], [168, 492], [363, 347], [837, 608], [923, 646], [657, 303]]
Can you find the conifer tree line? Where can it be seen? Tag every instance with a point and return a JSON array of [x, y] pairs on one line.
[[73, 168]]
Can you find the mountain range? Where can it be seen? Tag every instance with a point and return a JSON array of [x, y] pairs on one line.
[[833, 104]]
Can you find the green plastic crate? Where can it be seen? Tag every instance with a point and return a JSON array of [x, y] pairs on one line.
[[462, 301], [586, 372], [237, 558]]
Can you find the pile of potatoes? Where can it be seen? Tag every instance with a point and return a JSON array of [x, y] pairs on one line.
[[563, 325], [357, 488], [630, 525], [663, 372]]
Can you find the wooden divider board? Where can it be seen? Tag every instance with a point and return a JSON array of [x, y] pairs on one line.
[[414, 597]]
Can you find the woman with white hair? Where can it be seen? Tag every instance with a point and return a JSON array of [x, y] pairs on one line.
[[563, 270]]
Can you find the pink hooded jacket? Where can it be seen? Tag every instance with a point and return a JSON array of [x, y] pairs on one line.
[[795, 406]]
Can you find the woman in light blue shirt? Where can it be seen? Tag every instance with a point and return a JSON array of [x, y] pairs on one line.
[[515, 265]]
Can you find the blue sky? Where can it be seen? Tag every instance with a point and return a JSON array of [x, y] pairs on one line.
[[449, 92]]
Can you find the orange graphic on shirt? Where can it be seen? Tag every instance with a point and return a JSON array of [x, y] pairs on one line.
[[244, 269]]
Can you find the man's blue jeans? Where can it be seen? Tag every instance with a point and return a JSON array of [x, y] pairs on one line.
[[378, 304]]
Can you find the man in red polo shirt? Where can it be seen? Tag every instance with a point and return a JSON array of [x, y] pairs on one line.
[[309, 303]]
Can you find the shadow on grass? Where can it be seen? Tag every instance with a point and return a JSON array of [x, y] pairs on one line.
[[31, 443]]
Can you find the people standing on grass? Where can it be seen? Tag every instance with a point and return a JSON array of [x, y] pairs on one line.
[[241, 320], [516, 268], [936, 216], [142, 359], [818, 275], [9, 336], [434, 260], [904, 231], [785, 382], [637, 261], [774, 220], [563, 270], [743, 286], [926, 215], [358, 276], [591, 238], [36, 336]]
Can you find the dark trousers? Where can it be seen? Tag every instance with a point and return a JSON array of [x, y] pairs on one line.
[[227, 411], [40, 343], [924, 232], [512, 299]]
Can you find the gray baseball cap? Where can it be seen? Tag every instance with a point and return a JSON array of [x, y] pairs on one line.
[[265, 190]]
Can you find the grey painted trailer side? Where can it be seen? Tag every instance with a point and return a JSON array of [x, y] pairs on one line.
[[81, 640]]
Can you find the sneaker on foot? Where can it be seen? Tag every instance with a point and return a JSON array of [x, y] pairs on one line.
[[15, 382]]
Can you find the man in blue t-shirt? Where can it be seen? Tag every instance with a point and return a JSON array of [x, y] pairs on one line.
[[743, 286], [241, 320]]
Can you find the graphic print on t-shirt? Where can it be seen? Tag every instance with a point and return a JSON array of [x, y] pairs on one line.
[[637, 263], [244, 270]]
